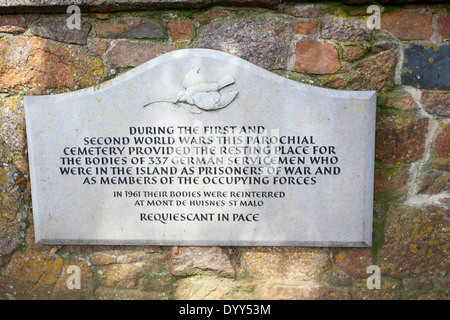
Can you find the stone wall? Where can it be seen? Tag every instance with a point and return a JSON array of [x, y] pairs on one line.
[[318, 43]]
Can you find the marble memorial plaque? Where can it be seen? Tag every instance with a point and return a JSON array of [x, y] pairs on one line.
[[198, 147]]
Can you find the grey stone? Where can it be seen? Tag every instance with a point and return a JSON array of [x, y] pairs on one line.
[[263, 42], [57, 29]]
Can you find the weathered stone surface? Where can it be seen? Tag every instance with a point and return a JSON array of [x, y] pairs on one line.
[[441, 144], [307, 291], [311, 13], [202, 260], [108, 293], [137, 28], [400, 139], [31, 275], [210, 15], [406, 25], [181, 30], [346, 29], [13, 23], [436, 104], [285, 265], [354, 261], [120, 275], [397, 99], [391, 182], [264, 42], [39, 66], [416, 241], [97, 46], [390, 290], [55, 28], [61, 290], [12, 122], [376, 73], [125, 53], [427, 67], [313, 56], [440, 155], [205, 288], [353, 53], [434, 182], [384, 47], [444, 27], [306, 27]]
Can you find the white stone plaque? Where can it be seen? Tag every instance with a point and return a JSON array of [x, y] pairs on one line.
[[198, 147]]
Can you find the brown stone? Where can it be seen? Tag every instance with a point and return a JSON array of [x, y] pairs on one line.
[[31, 275], [97, 46], [306, 27], [36, 65], [202, 260], [210, 15], [436, 103], [376, 73], [415, 241], [346, 29], [136, 28], [12, 23], [442, 142], [434, 182], [391, 182], [384, 47], [354, 261], [306, 291], [311, 13], [284, 265], [55, 28], [315, 57], [181, 30], [390, 290], [126, 53], [400, 139], [264, 42], [61, 291], [444, 27], [406, 25], [353, 53], [120, 275]]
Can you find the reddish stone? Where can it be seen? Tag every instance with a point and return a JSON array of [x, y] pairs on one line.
[[376, 73], [406, 25], [444, 27], [316, 57], [306, 27], [436, 103], [354, 262], [398, 100], [442, 143], [181, 30], [40, 66], [399, 139]]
